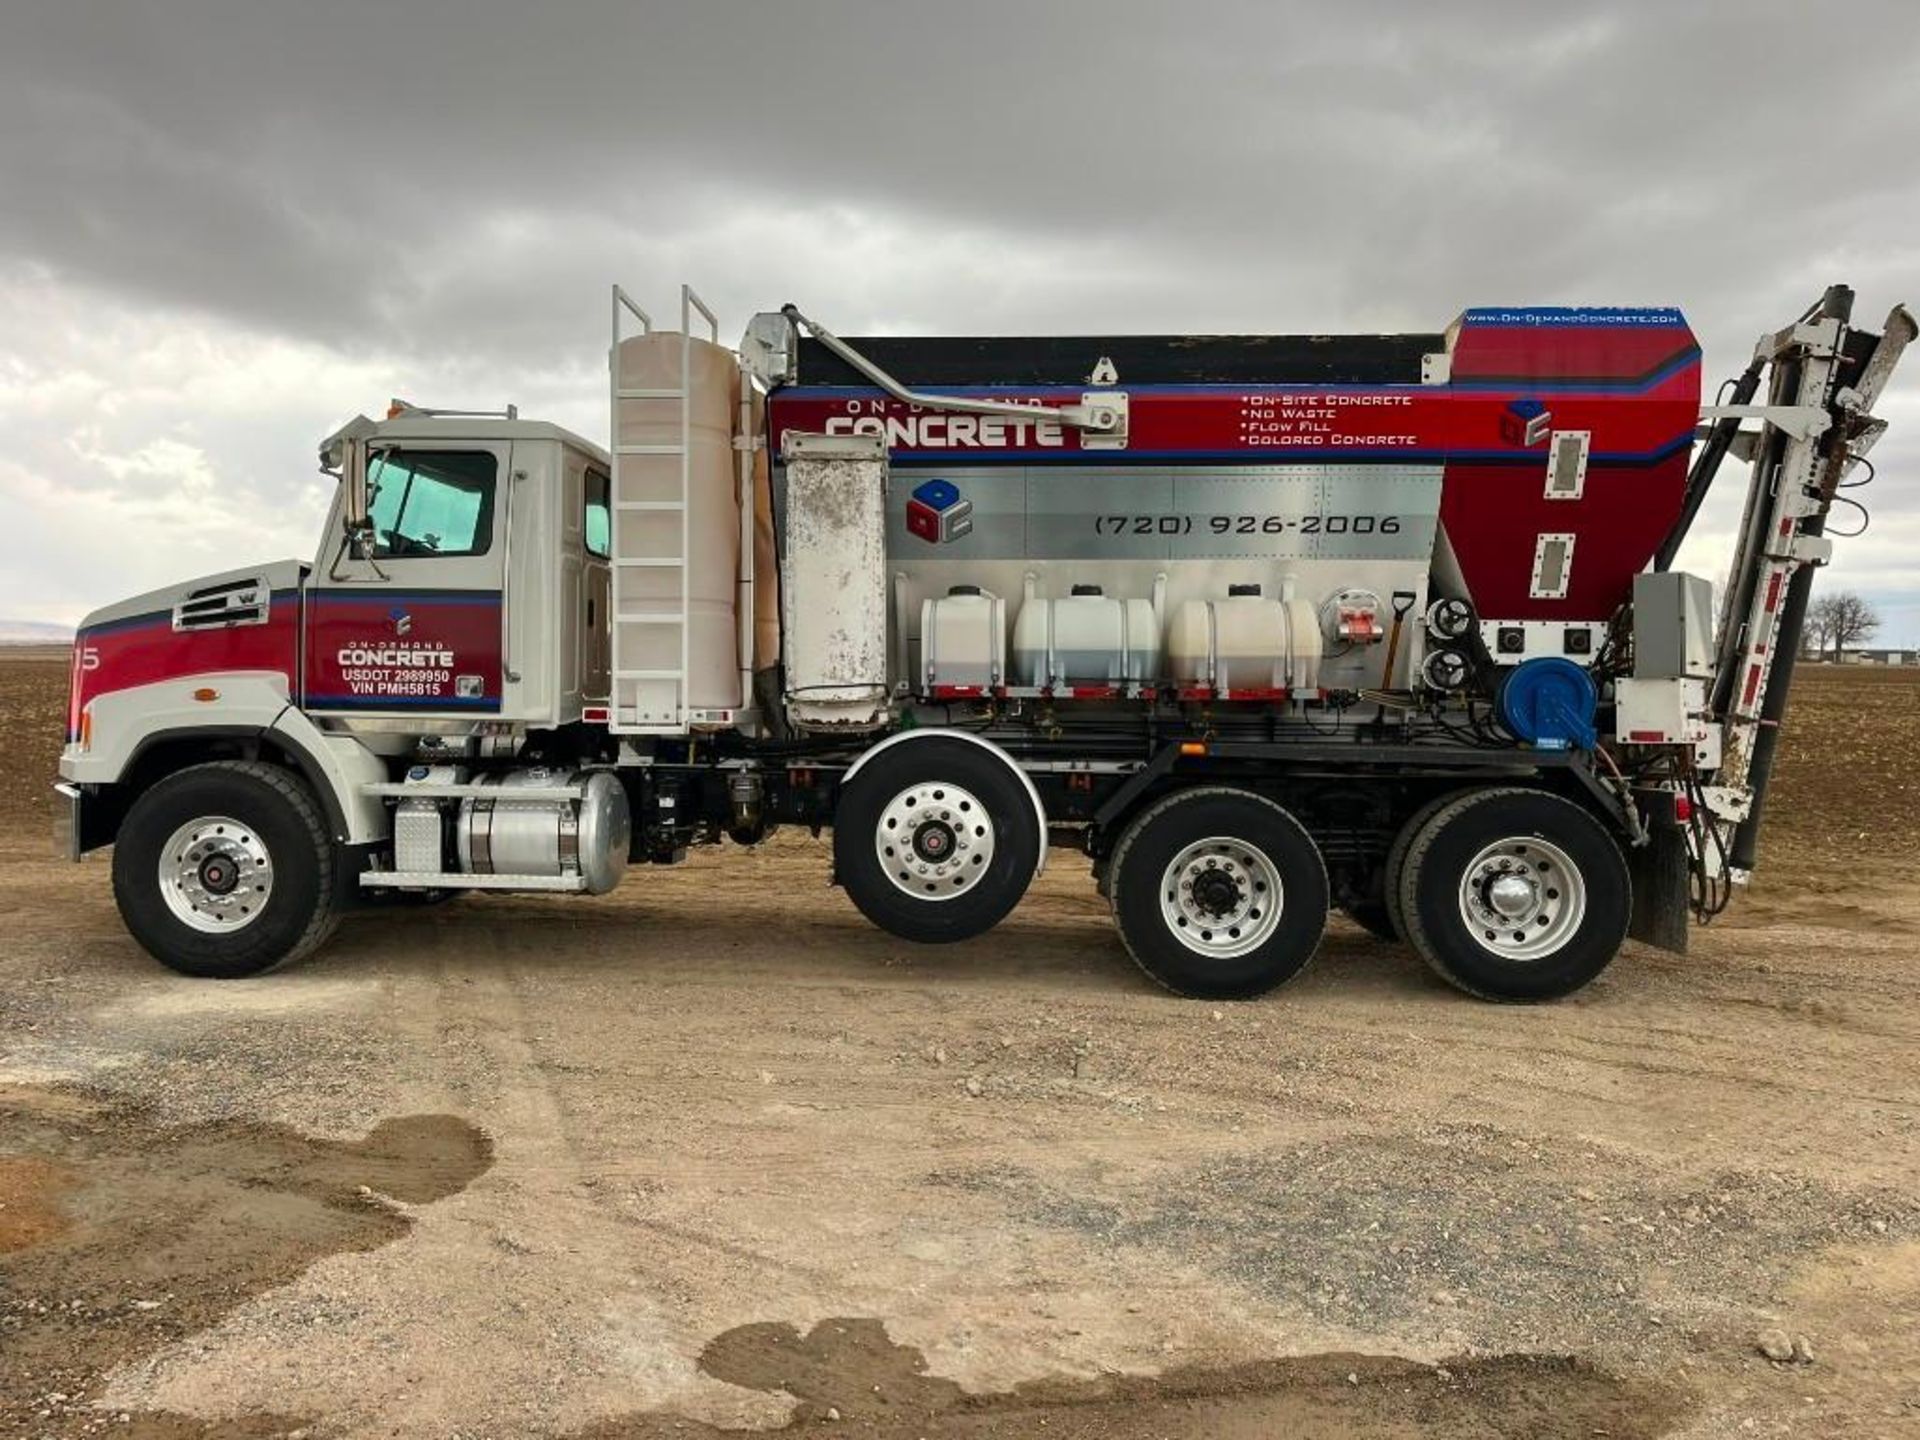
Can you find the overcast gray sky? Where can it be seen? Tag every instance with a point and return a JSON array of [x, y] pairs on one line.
[[224, 228]]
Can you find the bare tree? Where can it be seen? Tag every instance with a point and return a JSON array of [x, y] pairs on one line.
[[1839, 620], [1816, 632]]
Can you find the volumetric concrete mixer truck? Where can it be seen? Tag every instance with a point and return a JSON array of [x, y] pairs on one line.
[[1258, 625]]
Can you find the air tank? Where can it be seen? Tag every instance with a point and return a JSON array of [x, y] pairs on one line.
[[1246, 641], [1086, 637]]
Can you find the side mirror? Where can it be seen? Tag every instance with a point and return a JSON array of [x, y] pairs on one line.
[[355, 518], [343, 455]]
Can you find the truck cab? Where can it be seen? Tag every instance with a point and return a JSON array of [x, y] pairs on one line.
[[470, 609]]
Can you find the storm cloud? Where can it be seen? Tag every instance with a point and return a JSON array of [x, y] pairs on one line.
[[225, 228]]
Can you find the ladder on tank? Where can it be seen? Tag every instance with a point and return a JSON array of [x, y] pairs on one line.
[[651, 540]]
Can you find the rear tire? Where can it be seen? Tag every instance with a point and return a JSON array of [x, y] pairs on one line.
[[936, 840], [1516, 895], [1397, 859], [226, 870], [1219, 894]]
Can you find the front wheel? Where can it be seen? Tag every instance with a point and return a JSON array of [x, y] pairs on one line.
[[225, 870], [1219, 893], [1515, 894]]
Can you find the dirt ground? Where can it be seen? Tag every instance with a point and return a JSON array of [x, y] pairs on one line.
[[711, 1153]]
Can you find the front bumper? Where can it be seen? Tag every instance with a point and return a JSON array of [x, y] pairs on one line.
[[66, 820]]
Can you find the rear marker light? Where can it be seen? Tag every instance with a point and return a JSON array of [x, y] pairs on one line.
[[1682, 809]]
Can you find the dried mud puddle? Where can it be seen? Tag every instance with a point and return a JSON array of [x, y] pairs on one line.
[[118, 1237], [848, 1377]]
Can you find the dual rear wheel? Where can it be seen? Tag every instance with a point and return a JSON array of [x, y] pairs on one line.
[[1511, 894], [1218, 893]]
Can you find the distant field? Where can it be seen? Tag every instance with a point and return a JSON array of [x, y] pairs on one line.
[[1846, 795]]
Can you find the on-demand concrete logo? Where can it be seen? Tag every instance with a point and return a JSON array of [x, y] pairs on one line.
[[1525, 422], [937, 513]]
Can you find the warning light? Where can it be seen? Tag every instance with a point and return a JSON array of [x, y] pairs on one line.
[[1193, 747]]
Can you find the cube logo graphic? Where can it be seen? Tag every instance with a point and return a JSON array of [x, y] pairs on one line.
[[937, 513], [1525, 422]]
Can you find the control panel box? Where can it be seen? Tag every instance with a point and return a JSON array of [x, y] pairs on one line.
[[1672, 626]]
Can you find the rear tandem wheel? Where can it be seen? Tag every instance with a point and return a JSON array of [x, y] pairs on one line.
[[1219, 893], [1515, 894]]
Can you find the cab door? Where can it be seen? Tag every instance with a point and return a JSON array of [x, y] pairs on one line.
[[415, 627]]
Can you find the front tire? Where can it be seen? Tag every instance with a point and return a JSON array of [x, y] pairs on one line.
[[1219, 894], [1515, 895], [226, 870], [936, 840]]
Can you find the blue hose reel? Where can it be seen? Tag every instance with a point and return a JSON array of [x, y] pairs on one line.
[[1550, 702]]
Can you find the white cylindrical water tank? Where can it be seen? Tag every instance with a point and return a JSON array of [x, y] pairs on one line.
[[1085, 638], [1245, 642], [647, 527]]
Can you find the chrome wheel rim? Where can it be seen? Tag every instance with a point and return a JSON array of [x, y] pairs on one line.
[[1522, 898], [1221, 897], [215, 874], [934, 841]]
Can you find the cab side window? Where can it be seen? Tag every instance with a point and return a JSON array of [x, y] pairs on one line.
[[431, 502], [599, 536]]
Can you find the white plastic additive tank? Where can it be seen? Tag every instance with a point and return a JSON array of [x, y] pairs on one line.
[[1245, 642], [1086, 638], [963, 638], [712, 520]]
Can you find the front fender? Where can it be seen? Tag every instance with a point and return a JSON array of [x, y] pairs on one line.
[[118, 725], [342, 765], [123, 724]]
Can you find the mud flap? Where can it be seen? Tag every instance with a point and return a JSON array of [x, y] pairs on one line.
[[1662, 894]]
